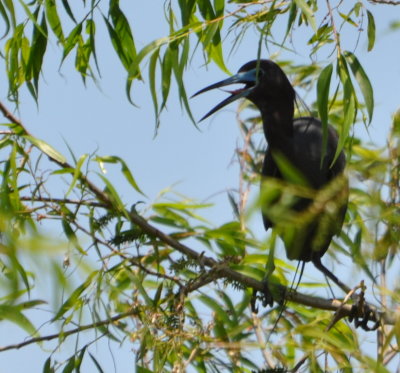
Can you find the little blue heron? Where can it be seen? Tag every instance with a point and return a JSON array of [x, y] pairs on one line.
[[297, 143]]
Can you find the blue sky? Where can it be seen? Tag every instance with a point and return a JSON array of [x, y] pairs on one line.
[[196, 163]]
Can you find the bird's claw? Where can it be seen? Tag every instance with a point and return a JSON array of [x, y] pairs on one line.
[[362, 316], [362, 313], [265, 297]]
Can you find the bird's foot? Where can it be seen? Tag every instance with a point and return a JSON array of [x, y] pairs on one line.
[[265, 297], [362, 313]]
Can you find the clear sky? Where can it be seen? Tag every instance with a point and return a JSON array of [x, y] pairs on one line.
[[196, 163]]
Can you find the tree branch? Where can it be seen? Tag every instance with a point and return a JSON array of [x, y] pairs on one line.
[[385, 2], [66, 334], [223, 270]]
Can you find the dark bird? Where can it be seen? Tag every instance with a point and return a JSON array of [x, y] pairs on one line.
[[294, 144]]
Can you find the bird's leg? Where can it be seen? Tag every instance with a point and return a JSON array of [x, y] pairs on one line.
[[318, 264], [361, 312]]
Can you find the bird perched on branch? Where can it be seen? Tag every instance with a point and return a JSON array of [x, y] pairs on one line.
[[308, 204]]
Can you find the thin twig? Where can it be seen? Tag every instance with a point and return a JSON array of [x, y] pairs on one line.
[[385, 2], [66, 334], [63, 200]]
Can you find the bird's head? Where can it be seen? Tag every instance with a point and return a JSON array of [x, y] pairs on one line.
[[264, 84]]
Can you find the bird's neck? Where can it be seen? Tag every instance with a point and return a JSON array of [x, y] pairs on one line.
[[278, 125]]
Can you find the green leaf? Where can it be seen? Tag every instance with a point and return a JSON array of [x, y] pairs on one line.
[[140, 369], [71, 40], [288, 170], [363, 82], [46, 149], [371, 30], [152, 82], [54, 19], [124, 169], [166, 69], [154, 45], [70, 365], [122, 39], [77, 173], [74, 297], [4, 15], [32, 17], [47, 368], [308, 13], [114, 197], [68, 10], [96, 363], [291, 19], [13, 314], [216, 307], [72, 236], [36, 54], [323, 85]]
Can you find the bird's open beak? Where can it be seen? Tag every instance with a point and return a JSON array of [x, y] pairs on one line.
[[247, 77]]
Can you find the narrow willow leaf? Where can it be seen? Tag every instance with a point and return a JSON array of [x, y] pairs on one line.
[[4, 15], [114, 197], [219, 6], [178, 73], [71, 301], [154, 45], [323, 85], [68, 10], [216, 52], [77, 173], [291, 19], [138, 283], [32, 17], [124, 169], [152, 82], [54, 19], [9, 4], [36, 54], [70, 365], [117, 44], [187, 9], [308, 13], [371, 30], [349, 116], [12, 314], [122, 39], [206, 9], [46, 149], [166, 70], [96, 363], [71, 40], [79, 359], [47, 366], [348, 19], [363, 82], [141, 369], [91, 31], [13, 178], [209, 34], [72, 236], [216, 307]]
